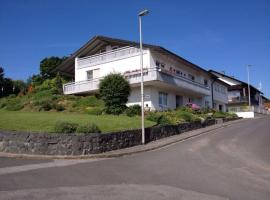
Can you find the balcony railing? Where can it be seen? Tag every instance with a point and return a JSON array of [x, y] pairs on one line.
[[243, 99], [134, 77], [109, 56]]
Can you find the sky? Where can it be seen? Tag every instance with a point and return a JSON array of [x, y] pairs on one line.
[[224, 35]]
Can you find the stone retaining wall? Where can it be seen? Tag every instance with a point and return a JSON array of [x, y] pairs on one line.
[[71, 144]]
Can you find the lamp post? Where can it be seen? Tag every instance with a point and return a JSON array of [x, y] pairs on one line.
[[249, 102], [141, 14]]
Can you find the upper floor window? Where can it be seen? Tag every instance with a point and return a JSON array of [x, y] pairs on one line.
[[157, 63], [191, 77], [115, 47], [102, 51], [162, 65], [205, 82]]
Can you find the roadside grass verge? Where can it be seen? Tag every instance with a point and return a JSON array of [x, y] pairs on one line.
[[45, 121]]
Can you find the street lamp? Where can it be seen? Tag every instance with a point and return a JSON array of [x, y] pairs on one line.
[[141, 14], [249, 102]]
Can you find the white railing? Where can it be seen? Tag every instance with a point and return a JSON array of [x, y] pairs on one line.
[[109, 56], [81, 86], [256, 109], [134, 77]]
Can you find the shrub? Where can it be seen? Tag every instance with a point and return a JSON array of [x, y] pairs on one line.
[[160, 119], [46, 105], [3, 102], [90, 101], [114, 91], [219, 115], [59, 107], [13, 104], [133, 110], [88, 128], [185, 115], [65, 127], [164, 120], [153, 116], [95, 111]]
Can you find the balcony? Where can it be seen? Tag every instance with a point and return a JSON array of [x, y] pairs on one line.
[[243, 100], [152, 75], [120, 53]]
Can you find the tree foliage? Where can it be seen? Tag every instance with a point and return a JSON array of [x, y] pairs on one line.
[[114, 91], [9, 86], [1, 74], [47, 65]]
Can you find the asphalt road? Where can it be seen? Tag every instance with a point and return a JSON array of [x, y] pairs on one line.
[[228, 163]]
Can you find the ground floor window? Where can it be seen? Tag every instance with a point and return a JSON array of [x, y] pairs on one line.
[[89, 74], [163, 99], [207, 104]]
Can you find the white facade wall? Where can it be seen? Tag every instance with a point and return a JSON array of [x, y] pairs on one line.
[[117, 66], [132, 62], [220, 95], [185, 70]]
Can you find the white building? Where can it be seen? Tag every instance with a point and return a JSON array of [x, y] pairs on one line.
[[238, 96], [170, 81]]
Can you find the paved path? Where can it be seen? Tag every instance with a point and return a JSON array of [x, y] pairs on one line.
[[228, 163]]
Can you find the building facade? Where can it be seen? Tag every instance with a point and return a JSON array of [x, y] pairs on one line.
[[238, 95], [170, 81]]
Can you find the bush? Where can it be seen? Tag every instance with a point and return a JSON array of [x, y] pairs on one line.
[[114, 91], [95, 111], [164, 120], [59, 107], [3, 102], [133, 110], [46, 105], [153, 116], [88, 128], [160, 119], [185, 115], [65, 127], [13, 104], [219, 115], [90, 101]]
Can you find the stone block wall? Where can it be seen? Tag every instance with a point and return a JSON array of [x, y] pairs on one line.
[[71, 144]]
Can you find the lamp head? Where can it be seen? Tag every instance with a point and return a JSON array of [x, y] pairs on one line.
[[143, 13]]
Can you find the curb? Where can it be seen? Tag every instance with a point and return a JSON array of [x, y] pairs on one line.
[[132, 150]]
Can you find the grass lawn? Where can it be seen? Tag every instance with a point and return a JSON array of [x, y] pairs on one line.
[[44, 121]]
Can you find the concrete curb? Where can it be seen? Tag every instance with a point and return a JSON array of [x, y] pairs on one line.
[[132, 150]]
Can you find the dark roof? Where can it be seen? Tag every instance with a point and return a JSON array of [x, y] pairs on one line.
[[67, 67], [244, 84]]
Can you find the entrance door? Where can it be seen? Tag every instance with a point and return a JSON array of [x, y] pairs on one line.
[[220, 107], [178, 101]]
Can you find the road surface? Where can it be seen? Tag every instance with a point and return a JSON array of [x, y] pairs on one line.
[[228, 163]]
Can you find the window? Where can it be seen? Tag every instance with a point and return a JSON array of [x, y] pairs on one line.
[[162, 65], [157, 63], [115, 47], [191, 77], [162, 98], [102, 51], [207, 104], [205, 82], [89, 75]]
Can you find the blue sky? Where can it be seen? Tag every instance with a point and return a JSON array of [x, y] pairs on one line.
[[221, 35]]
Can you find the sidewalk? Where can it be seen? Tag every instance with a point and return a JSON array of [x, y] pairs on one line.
[[136, 149]]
